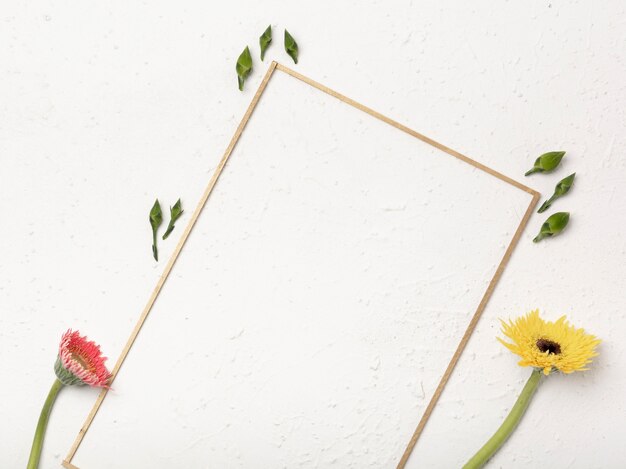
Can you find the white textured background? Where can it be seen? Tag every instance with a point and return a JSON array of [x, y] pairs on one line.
[[104, 107]]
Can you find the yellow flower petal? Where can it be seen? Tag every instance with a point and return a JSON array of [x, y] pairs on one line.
[[549, 345]]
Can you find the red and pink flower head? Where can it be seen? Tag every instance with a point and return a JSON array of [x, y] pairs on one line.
[[80, 361]]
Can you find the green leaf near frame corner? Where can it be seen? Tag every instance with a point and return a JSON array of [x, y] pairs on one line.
[[291, 46], [546, 162], [243, 67], [564, 185], [553, 226], [562, 188], [265, 40]]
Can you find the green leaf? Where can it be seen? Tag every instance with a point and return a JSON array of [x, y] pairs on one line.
[[265, 40], [291, 46], [546, 162], [564, 185], [553, 226], [244, 67], [562, 188], [156, 218], [175, 213]]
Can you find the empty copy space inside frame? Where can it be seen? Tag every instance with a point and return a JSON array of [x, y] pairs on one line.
[[317, 302]]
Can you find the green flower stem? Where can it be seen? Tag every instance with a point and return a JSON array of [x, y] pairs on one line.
[[35, 452], [155, 252], [509, 424]]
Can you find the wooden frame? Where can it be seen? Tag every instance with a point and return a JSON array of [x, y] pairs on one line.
[[67, 463]]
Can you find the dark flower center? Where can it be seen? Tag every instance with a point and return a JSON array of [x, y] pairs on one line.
[[549, 346]]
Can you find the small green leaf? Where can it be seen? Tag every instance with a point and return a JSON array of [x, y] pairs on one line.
[[244, 67], [546, 162], [553, 226], [265, 40], [156, 218], [175, 213], [291, 46], [564, 185], [562, 188]]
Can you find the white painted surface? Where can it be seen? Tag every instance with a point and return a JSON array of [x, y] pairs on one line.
[[104, 107]]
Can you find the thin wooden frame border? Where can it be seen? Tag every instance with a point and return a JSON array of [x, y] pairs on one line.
[[67, 462]]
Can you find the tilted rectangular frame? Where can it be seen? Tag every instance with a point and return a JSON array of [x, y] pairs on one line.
[[67, 463]]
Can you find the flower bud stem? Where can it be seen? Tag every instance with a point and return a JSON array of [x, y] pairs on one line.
[[35, 452], [509, 424], [547, 204], [155, 251]]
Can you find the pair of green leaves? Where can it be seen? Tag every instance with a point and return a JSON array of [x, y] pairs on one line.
[[244, 62], [291, 46], [557, 222], [156, 218]]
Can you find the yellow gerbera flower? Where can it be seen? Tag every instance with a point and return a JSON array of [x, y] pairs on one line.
[[546, 346], [549, 345]]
